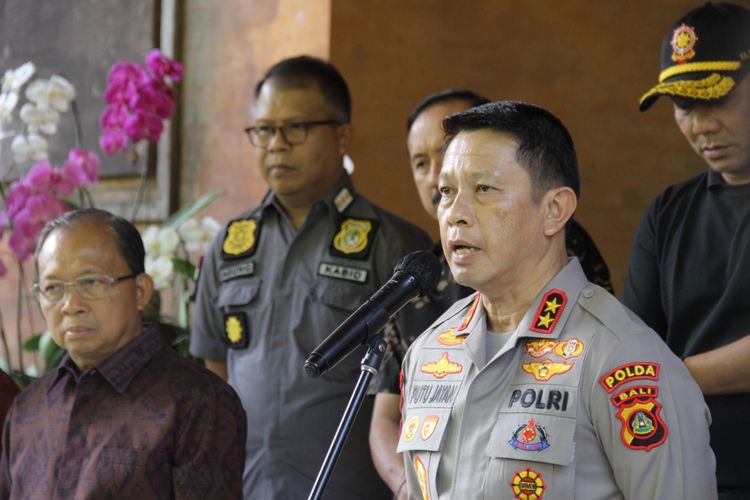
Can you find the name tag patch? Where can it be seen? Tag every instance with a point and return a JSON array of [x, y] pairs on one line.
[[231, 272], [342, 272], [433, 394], [553, 399]]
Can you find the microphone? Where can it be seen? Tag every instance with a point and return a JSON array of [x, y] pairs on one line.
[[417, 273]]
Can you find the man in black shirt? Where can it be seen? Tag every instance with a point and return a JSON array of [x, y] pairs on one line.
[[690, 266]]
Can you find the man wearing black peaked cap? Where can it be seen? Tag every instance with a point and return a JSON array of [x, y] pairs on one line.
[[690, 266]]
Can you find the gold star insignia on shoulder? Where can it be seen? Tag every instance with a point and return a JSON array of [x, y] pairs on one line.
[[550, 309]]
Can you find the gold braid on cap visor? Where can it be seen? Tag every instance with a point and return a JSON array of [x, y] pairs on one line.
[[713, 86]]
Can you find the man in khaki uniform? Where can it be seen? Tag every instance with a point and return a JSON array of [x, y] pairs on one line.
[[541, 385]]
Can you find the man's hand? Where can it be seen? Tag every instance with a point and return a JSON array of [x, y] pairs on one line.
[[384, 433]]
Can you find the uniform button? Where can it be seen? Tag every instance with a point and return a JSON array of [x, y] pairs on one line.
[[588, 293]]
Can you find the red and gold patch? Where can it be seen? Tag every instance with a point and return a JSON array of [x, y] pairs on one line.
[[571, 348], [429, 426], [649, 391], [546, 369], [539, 347], [683, 42], [470, 314], [527, 484], [442, 367], [550, 309], [640, 370], [422, 478], [411, 427], [447, 338], [642, 426]]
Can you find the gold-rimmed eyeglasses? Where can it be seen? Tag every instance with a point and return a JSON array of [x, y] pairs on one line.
[[294, 133], [88, 287]]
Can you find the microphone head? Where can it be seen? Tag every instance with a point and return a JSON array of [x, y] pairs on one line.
[[424, 266]]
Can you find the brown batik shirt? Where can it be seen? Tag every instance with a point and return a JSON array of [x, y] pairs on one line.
[[145, 423]]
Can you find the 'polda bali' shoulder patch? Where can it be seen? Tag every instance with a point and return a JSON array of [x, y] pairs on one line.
[[639, 370], [642, 425], [236, 333], [354, 238], [550, 309], [240, 239]]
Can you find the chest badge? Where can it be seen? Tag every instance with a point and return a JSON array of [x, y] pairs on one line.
[[411, 427], [539, 347], [354, 238], [442, 367], [527, 484], [571, 348], [447, 338], [429, 426], [240, 238], [235, 330], [546, 369], [550, 309], [529, 437]]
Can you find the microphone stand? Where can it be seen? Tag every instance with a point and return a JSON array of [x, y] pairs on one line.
[[370, 366]]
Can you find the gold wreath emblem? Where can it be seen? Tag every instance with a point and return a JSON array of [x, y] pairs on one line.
[[352, 237], [240, 237], [234, 329]]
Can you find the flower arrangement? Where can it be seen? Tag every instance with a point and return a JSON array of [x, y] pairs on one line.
[[138, 99]]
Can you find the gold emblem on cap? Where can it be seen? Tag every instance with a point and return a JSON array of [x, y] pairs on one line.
[[240, 237], [233, 328], [683, 41], [352, 237]]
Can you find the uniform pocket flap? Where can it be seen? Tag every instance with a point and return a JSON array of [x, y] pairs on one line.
[[347, 296], [539, 438], [237, 293], [423, 429]]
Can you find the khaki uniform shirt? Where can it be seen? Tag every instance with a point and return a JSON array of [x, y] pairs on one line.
[[583, 402], [267, 296]]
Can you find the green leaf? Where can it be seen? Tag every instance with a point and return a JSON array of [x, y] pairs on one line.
[[191, 209], [32, 343], [51, 353], [184, 267]]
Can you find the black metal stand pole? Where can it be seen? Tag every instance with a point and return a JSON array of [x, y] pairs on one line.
[[370, 366]]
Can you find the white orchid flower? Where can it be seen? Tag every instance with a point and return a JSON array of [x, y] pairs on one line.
[[161, 269], [8, 101], [160, 241], [198, 237], [13, 79], [40, 119], [55, 93], [34, 147]]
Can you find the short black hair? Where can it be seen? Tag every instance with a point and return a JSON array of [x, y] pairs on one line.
[[126, 236], [545, 147], [303, 70], [449, 95]]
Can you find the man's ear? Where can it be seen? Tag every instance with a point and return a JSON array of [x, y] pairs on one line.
[[144, 289], [559, 205], [345, 133]]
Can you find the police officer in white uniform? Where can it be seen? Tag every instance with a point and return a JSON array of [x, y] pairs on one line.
[[540, 385]]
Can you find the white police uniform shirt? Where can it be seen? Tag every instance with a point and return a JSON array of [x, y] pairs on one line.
[[583, 402]]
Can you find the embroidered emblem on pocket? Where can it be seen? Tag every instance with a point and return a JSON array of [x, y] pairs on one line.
[[411, 427], [353, 238], [235, 330], [527, 484], [529, 437], [240, 238]]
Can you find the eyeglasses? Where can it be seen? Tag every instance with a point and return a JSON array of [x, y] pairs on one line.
[[293, 133], [88, 288]]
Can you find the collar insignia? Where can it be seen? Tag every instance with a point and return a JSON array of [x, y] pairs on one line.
[[343, 200], [545, 370], [235, 330], [470, 314], [429, 426], [442, 367], [353, 238], [529, 437], [683, 41], [527, 484], [240, 239], [550, 309]]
